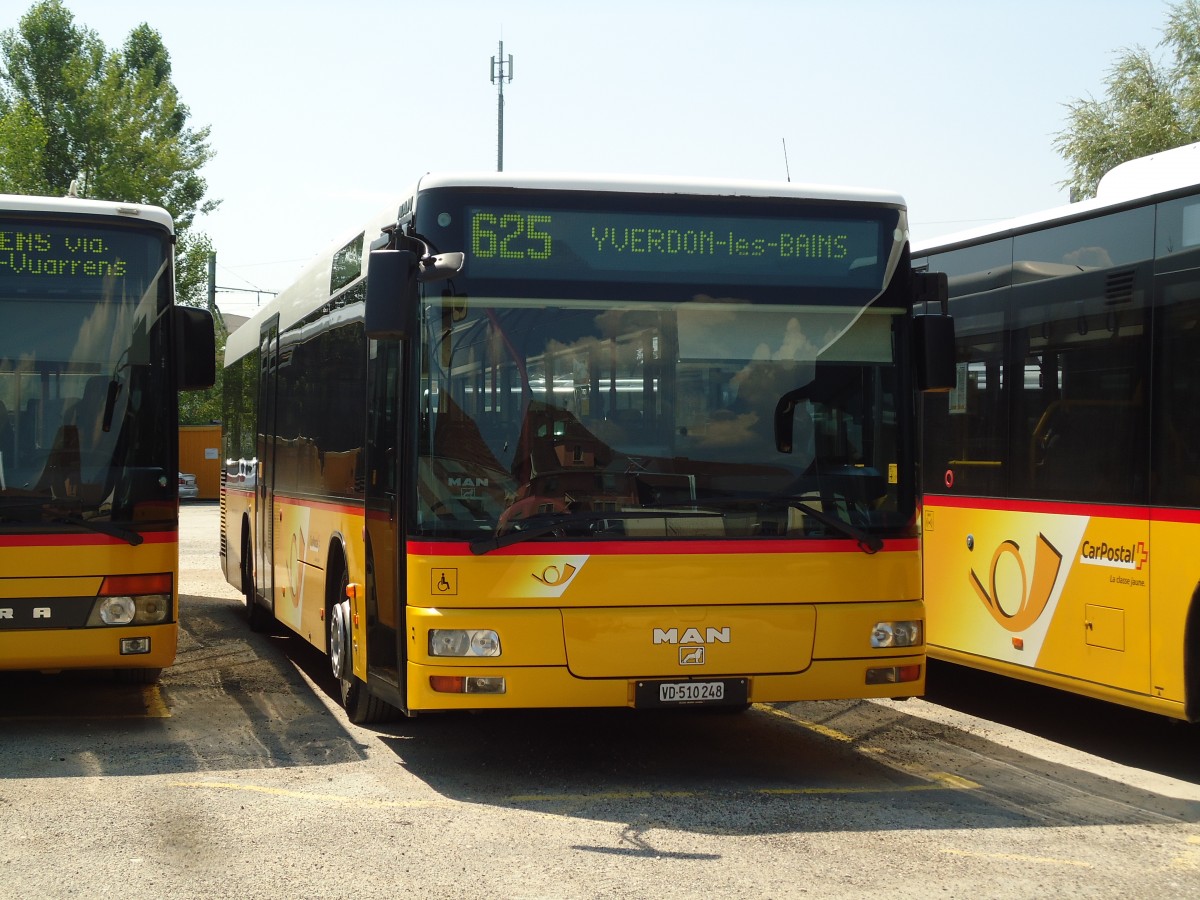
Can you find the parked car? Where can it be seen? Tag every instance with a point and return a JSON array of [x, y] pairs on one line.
[[187, 487]]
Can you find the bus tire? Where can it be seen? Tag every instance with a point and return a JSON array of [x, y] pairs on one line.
[[257, 616], [362, 707]]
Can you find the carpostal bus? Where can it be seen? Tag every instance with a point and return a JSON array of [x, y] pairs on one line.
[[580, 442], [92, 352], [1062, 474]]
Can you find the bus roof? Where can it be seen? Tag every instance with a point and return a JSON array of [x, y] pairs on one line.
[[76, 206], [567, 181], [310, 289], [1130, 184]]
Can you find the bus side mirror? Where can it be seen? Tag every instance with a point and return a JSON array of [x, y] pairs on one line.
[[195, 348], [391, 293], [933, 344]]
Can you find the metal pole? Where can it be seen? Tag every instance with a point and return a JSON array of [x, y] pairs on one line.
[[212, 281], [502, 70]]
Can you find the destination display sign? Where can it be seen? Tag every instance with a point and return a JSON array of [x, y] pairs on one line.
[[570, 244], [61, 257]]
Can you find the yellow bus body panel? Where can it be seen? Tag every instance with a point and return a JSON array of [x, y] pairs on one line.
[[556, 687], [576, 620], [1089, 599], [75, 566], [87, 648], [670, 577], [580, 629]]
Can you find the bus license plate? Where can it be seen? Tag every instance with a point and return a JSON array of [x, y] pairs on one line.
[[731, 691]]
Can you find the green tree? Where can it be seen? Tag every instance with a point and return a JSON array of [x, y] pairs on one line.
[[1148, 106], [111, 124], [23, 145], [50, 66]]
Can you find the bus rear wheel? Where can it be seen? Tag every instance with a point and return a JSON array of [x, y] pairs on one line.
[[362, 707], [257, 616]]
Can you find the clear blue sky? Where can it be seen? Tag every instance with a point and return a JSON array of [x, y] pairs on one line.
[[324, 113]]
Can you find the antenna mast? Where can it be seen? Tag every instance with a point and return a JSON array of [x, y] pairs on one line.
[[786, 167], [501, 71]]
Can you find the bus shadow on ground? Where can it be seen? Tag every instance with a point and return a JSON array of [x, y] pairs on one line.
[[820, 766], [1122, 735], [233, 700], [834, 766]]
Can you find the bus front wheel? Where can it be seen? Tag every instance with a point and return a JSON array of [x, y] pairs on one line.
[[362, 707]]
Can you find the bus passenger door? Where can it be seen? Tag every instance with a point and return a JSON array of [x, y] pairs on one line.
[[264, 553], [1175, 468], [1081, 352], [385, 600]]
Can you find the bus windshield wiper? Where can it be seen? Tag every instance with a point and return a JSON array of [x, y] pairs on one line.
[[548, 524], [130, 537], [868, 543], [43, 512]]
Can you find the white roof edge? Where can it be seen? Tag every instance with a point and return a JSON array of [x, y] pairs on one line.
[[645, 184], [1145, 177], [1003, 226], [1154, 174], [79, 206]]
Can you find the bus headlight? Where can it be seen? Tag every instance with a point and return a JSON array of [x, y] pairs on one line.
[[145, 609], [896, 634], [463, 642], [133, 600], [151, 609], [117, 610]]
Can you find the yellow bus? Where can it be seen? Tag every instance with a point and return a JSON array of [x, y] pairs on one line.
[[1061, 476], [535, 441], [92, 352]]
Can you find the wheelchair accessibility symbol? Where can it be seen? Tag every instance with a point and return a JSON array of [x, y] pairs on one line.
[[445, 582]]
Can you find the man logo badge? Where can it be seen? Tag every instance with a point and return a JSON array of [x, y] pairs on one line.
[[691, 656]]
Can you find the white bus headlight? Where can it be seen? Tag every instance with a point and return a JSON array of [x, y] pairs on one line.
[[132, 600], [463, 642], [896, 634], [117, 610]]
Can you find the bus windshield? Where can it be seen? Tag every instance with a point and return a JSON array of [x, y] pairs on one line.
[[82, 356], [607, 407]]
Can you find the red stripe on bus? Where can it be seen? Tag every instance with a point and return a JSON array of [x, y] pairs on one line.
[[1181, 516], [647, 548], [82, 540], [1063, 508], [1043, 507], [327, 505]]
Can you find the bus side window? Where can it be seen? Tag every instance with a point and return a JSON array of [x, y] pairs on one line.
[[1176, 468], [1079, 425]]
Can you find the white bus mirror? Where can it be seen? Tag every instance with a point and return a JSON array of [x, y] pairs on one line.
[[441, 267]]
